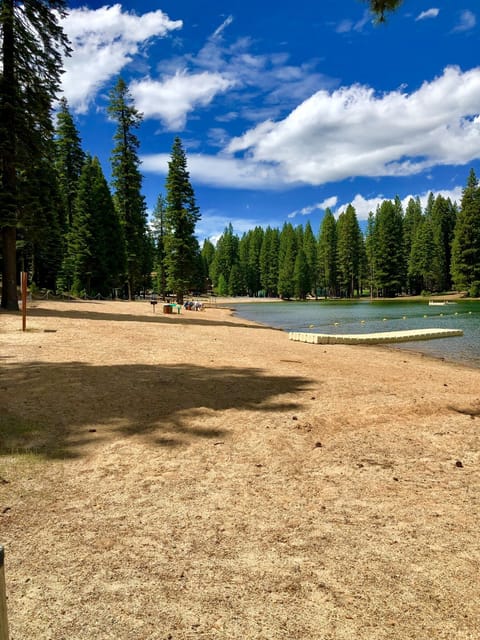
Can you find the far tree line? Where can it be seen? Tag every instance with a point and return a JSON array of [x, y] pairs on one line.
[[71, 231], [411, 251], [91, 239]]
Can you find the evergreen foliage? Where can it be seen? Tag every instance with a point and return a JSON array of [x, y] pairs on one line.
[[159, 233], [181, 245], [127, 184], [349, 251], [69, 159], [412, 220], [389, 248], [95, 257], [286, 262], [32, 45], [466, 242], [311, 256], [301, 275], [226, 254], [327, 255]]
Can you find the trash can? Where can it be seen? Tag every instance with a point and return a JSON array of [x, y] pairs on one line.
[[167, 308]]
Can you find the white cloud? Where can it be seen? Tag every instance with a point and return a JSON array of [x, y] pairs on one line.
[[212, 224], [219, 31], [221, 171], [104, 41], [346, 26], [363, 206], [467, 21], [429, 13], [328, 203], [354, 132], [173, 98]]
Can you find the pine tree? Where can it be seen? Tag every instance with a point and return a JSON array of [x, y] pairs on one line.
[[412, 220], [40, 234], [422, 254], [301, 275], [311, 254], [327, 255], [227, 253], [269, 262], [443, 217], [249, 251], [69, 159], [159, 233], [466, 242], [389, 245], [286, 262], [127, 183], [181, 216], [96, 252], [207, 255], [32, 45], [349, 251]]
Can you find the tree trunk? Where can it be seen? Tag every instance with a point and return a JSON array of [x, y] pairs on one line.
[[9, 273], [8, 167]]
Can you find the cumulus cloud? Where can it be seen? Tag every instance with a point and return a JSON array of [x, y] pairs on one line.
[[328, 203], [429, 13], [173, 98], [221, 171], [466, 22], [363, 206], [354, 132], [104, 41]]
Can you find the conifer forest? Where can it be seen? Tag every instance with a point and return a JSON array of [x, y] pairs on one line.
[[75, 233]]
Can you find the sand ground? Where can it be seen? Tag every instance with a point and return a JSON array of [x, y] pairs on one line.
[[198, 476]]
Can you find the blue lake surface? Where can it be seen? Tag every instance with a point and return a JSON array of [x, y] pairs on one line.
[[367, 316]]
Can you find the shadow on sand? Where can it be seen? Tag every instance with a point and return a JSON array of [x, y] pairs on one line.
[[55, 410], [74, 310]]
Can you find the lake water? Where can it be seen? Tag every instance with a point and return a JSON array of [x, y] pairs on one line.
[[367, 316]]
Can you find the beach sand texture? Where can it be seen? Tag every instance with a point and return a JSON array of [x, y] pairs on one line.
[[198, 476]]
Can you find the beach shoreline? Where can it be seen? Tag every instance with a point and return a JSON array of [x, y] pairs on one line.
[[200, 475]]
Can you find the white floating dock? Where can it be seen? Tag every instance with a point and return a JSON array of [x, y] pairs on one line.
[[374, 338]]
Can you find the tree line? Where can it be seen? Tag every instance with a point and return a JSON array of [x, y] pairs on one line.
[[60, 221], [71, 231], [409, 251]]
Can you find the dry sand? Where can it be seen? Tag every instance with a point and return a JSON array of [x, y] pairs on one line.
[[198, 476]]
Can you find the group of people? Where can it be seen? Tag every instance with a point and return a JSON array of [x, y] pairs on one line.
[[193, 305]]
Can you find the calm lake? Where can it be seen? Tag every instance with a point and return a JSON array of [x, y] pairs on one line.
[[371, 316]]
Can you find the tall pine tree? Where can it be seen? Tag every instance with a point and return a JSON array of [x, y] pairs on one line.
[[69, 159], [32, 46], [181, 216], [327, 255], [466, 242], [95, 260], [127, 183]]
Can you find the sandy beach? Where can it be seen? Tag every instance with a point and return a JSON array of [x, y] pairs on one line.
[[193, 475]]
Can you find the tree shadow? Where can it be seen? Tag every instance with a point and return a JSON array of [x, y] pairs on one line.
[[74, 311], [55, 410]]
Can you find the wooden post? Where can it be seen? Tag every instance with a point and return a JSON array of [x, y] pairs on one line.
[[3, 600], [24, 279]]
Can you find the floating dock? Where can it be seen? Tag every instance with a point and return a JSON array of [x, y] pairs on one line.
[[374, 338]]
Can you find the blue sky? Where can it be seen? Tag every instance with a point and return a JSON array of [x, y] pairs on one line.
[[285, 109]]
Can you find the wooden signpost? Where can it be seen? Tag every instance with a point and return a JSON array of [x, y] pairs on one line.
[[3, 600], [24, 281]]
